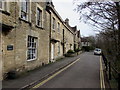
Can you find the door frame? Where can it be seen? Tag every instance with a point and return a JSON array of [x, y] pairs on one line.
[[52, 51]]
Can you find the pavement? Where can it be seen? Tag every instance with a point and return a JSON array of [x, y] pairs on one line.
[[38, 74]]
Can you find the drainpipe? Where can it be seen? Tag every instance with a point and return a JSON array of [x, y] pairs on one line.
[[50, 40], [1, 52], [63, 43], [15, 3]]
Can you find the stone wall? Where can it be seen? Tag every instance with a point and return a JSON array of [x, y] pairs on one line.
[[68, 39], [17, 37], [57, 35]]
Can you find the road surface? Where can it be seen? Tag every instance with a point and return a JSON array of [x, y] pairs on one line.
[[84, 73]]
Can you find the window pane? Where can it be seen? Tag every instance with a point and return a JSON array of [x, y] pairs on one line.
[[38, 23], [38, 14], [34, 45], [39, 17], [53, 23], [1, 4], [33, 51], [24, 5], [24, 15], [24, 9], [32, 39], [58, 27], [31, 56], [29, 52]]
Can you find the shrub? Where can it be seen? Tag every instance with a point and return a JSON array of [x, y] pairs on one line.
[[70, 51]]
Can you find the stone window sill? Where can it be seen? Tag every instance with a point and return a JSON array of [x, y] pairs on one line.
[[25, 21], [5, 12], [39, 27]]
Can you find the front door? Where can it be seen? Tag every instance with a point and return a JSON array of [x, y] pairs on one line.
[[52, 51]]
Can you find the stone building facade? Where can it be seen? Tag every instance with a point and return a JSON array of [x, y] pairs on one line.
[[68, 39], [77, 39], [32, 34], [85, 41], [25, 36], [56, 33]]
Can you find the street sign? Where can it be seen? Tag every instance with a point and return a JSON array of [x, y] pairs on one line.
[[9, 47]]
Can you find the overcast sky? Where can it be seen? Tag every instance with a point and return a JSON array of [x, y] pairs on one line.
[[65, 8]]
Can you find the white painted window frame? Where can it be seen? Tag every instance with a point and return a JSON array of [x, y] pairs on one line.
[[53, 23], [2, 5], [58, 27], [5, 6], [36, 49], [42, 20], [28, 11]]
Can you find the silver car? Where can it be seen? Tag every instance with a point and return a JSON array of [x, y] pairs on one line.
[[97, 51]]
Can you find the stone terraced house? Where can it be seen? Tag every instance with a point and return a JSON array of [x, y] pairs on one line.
[[33, 34]]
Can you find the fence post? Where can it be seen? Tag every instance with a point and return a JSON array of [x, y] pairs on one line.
[[109, 64], [118, 81], [106, 64], [105, 61]]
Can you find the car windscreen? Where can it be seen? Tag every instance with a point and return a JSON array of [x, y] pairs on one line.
[[97, 49]]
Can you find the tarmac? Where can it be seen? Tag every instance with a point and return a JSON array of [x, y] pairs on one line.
[[36, 75]]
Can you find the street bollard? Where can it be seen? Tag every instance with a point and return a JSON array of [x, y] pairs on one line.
[[109, 64]]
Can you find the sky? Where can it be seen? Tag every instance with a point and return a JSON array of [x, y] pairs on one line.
[[65, 8]]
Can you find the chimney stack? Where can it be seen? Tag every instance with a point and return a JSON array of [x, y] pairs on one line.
[[67, 21]]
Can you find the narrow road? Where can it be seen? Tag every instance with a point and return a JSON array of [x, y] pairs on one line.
[[85, 73]]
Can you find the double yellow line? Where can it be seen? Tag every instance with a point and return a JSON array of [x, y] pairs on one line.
[[43, 82], [102, 83]]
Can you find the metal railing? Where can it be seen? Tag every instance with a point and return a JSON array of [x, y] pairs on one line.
[[112, 73]]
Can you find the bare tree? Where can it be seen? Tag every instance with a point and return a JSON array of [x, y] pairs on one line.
[[100, 14], [106, 17]]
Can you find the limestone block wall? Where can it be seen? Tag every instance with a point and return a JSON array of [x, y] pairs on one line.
[[17, 37], [57, 35], [69, 40]]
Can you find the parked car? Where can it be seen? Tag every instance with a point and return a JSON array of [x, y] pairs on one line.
[[97, 51]]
